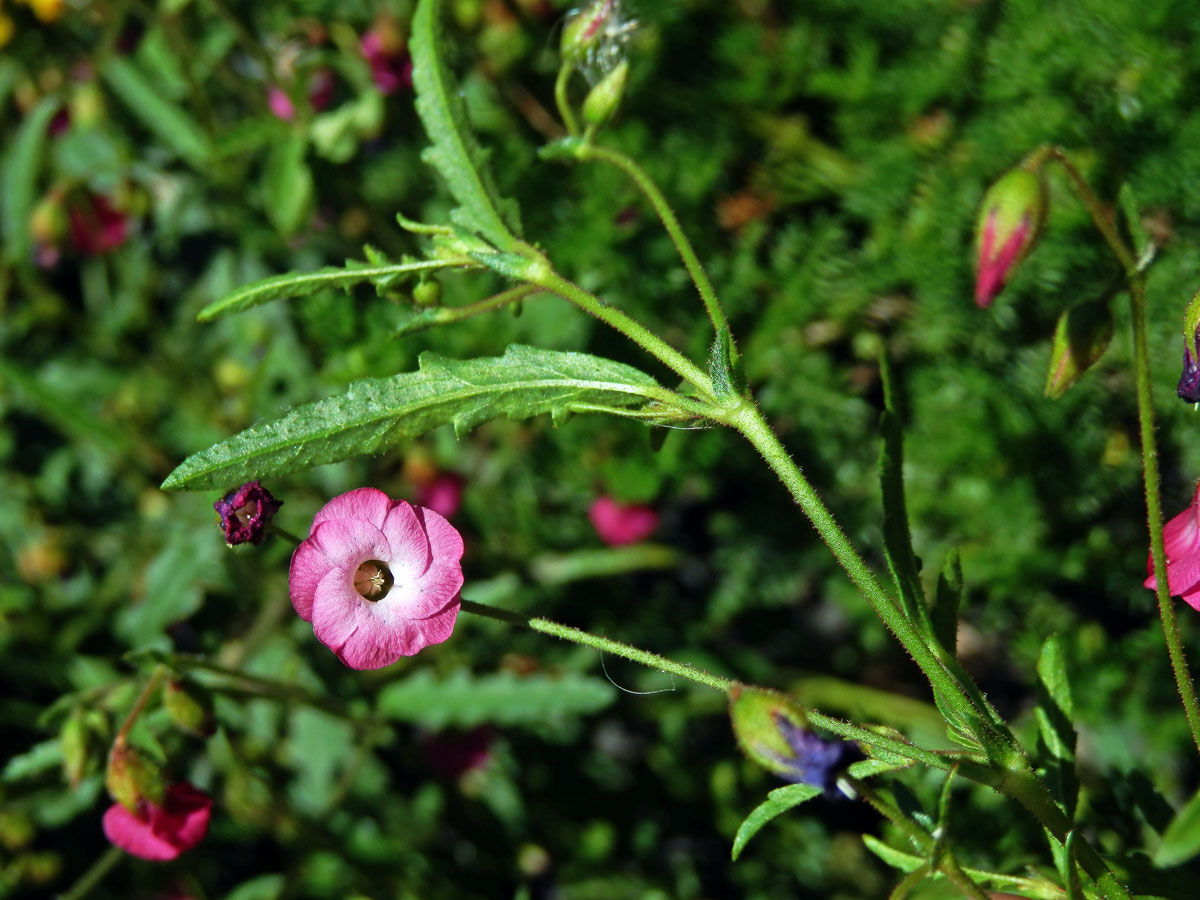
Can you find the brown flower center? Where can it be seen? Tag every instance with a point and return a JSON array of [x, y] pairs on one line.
[[373, 579]]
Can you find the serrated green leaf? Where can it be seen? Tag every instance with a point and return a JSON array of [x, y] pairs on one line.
[[277, 287], [378, 413], [778, 802], [462, 700], [19, 185], [171, 124], [287, 185], [455, 153]]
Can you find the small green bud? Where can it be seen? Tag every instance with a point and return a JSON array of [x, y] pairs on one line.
[[773, 732], [602, 100], [73, 739], [427, 293], [189, 708], [133, 778]]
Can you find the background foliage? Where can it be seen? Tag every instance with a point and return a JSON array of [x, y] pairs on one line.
[[827, 161]]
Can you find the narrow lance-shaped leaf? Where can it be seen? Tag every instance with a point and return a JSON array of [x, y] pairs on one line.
[[173, 126], [277, 287], [778, 802], [454, 152], [20, 180], [378, 413]]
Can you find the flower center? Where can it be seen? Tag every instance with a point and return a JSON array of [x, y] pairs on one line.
[[373, 579], [246, 513]]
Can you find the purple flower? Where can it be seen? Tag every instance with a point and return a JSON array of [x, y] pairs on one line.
[[813, 759], [1189, 380], [245, 513]]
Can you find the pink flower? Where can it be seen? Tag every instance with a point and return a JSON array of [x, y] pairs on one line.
[[280, 104], [378, 578], [1181, 537], [246, 512], [96, 225], [619, 524], [391, 69], [161, 832], [443, 494], [454, 753]]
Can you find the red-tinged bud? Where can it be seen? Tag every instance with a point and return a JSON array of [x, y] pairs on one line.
[[133, 779], [1010, 221], [602, 100], [585, 29]]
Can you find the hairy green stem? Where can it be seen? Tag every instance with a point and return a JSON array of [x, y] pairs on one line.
[[577, 636], [588, 151], [748, 420], [446, 315], [1150, 474], [628, 326], [563, 101]]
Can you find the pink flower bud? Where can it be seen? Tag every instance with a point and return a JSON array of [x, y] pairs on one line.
[[619, 524], [1010, 220], [246, 512]]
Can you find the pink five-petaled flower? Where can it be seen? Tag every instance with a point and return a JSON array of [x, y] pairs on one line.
[[1181, 537], [1010, 220], [246, 512], [161, 832], [619, 524], [378, 578]]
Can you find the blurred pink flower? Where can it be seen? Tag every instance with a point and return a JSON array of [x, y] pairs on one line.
[[280, 103], [378, 578], [321, 86], [443, 494], [96, 225], [391, 69], [1181, 537], [454, 753], [161, 832], [619, 524]]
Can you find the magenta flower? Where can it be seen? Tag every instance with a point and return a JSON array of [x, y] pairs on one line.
[[96, 225], [1188, 388], [280, 103], [619, 524], [391, 69], [443, 494], [378, 578], [1181, 537], [161, 832], [1010, 220], [246, 512]]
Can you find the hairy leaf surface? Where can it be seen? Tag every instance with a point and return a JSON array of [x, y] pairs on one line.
[[378, 413]]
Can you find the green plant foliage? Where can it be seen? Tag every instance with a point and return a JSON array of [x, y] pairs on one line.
[[778, 802], [376, 414]]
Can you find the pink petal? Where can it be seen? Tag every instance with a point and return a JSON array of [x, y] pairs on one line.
[[335, 609], [123, 829], [618, 524], [377, 643], [367, 504], [165, 831], [335, 544], [406, 536], [445, 543]]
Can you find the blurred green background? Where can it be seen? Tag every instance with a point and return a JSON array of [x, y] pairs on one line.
[[827, 160]]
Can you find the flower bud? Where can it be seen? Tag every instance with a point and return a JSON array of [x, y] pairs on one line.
[[1010, 220], [427, 293], [73, 740], [133, 779], [1189, 380], [584, 30], [773, 733], [602, 100], [189, 708], [246, 512]]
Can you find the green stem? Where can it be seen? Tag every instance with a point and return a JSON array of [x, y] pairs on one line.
[[263, 687], [1154, 518], [151, 686], [666, 215], [1150, 474], [748, 420], [446, 315], [94, 875], [628, 326], [563, 101], [575, 635]]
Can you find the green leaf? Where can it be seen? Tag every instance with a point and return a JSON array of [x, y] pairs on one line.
[[1082, 335], [277, 287], [37, 759], [1143, 244], [171, 124], [561, 568], [262, 887], [778, 802], [455, 153], [19, 185], [720, 364], [288, 185], [869, 768], [1181, 839], [378, 413], [907, 862], [1054, 713], [463, 700], [946, 602]]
